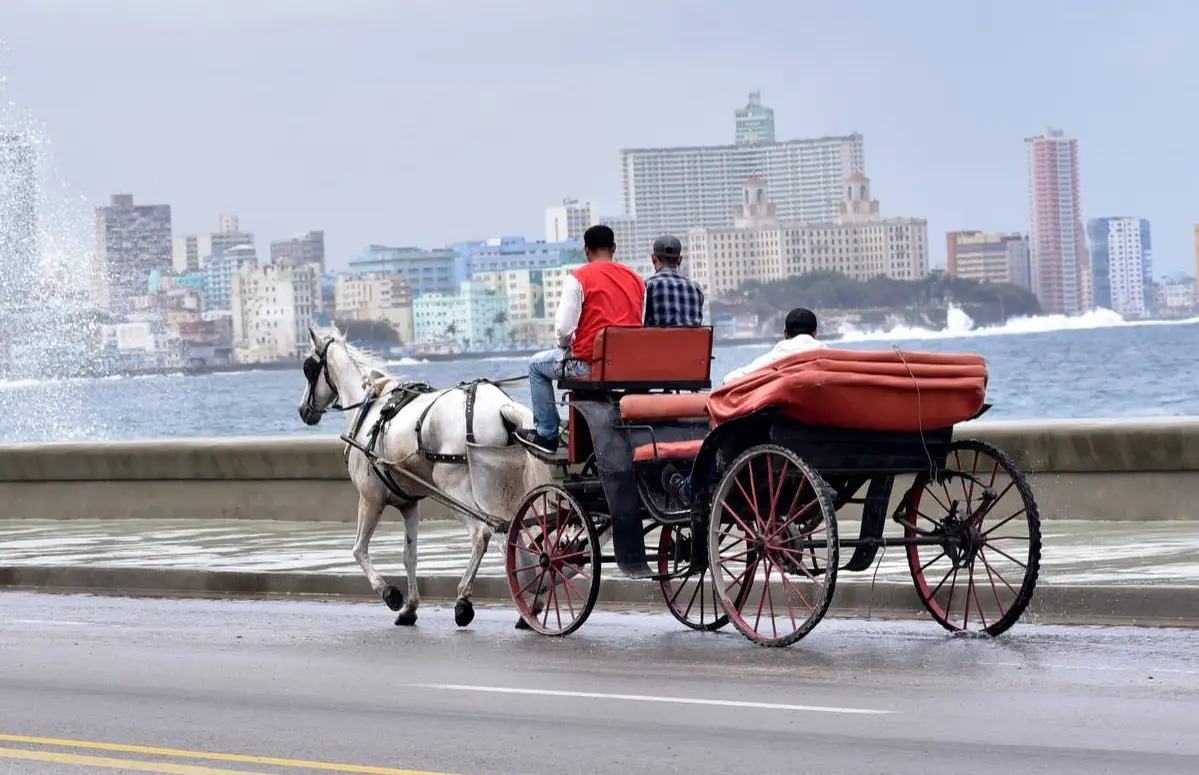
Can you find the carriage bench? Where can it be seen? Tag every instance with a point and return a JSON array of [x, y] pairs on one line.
[[652, 376]]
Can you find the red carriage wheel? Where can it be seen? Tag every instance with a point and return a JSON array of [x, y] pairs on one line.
[[983, 575], [772, 545], [688, 598], [552, 560]]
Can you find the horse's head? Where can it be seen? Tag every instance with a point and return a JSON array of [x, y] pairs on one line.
[[321, 391]]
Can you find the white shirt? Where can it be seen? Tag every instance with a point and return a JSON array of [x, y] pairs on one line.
[[796, 344], [570, 308]]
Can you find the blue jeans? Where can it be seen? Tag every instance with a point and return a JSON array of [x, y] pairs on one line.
[[545, 367]]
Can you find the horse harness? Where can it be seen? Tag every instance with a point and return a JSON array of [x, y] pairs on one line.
[[400, 395]]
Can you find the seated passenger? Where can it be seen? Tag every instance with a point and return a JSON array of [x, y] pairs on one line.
[[600, 294], [799, 334], [671, 298]]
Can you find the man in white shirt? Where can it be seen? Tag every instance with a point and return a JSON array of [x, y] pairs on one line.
[[799, 334]]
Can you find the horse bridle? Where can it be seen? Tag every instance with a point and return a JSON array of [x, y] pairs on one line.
[[316, 365]]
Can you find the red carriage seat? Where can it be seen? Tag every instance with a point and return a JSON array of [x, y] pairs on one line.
[[632, 358]]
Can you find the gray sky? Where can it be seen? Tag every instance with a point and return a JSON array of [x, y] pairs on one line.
[[428, 121]]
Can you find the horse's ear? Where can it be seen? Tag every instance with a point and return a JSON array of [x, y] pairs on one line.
[[315, 342]]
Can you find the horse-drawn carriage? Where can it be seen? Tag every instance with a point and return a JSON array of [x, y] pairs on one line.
[[744, 487]]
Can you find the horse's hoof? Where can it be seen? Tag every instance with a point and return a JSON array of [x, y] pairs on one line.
[[464, 612], [521, 624], [406, 619], [393, 597]]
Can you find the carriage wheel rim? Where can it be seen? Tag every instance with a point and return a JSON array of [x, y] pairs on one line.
[[679, 602], [977, 568], [565, 572], [773, 555]]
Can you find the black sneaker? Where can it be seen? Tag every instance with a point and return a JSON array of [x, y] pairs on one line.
[[532, 440]]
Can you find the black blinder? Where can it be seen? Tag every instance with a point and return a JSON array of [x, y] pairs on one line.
[[312, 368]]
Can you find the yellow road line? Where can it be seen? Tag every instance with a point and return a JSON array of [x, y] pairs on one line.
[[180, 753], [163, 768]]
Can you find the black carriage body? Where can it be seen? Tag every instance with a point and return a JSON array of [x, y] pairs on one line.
[[619, 487], [846, 458]]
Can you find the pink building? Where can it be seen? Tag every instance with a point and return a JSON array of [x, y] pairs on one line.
[[1059, 264]]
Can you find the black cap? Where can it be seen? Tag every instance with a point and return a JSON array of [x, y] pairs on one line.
[[800, 321], [668, 246]]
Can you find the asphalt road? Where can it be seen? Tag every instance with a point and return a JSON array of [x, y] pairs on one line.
[[237, 686]]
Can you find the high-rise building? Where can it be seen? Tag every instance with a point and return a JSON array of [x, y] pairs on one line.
[[860, 244], [625, 230], [568, 220], [992, 258], [189, 253], [131, 242], [307, 248], [1058, 258], [18, 219], [1122, 265], [672, 190], [755, 124]]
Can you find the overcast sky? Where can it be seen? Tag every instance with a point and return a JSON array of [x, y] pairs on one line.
[[421, 122]]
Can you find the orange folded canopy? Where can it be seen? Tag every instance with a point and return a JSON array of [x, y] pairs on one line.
[[869, 390]]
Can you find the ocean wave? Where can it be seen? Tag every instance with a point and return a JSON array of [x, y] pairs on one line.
[[961, 326]]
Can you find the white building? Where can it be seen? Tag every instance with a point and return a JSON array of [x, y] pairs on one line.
[[273, 306], [671, 190], [1121, 265], [568, 220], [625, 230], [375, 297], [190, 253], [475, 316], [860, 243]]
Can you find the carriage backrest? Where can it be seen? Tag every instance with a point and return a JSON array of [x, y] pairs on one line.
[[633, 358]]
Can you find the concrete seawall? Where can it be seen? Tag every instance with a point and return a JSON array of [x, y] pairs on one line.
[[1094, 470]]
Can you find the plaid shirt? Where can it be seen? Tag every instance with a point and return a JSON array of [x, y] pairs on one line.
[[672, 299]]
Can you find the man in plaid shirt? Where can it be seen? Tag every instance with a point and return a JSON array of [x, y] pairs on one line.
[[671, 298]]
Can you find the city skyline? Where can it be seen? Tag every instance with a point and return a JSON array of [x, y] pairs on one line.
[[386, 176]]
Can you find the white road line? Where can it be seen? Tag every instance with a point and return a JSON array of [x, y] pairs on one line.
[[61, 623], [648, 698]]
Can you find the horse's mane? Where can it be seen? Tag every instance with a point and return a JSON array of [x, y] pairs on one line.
[[361, 358]]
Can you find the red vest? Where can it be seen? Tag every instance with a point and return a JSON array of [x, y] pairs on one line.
[[613, 295]]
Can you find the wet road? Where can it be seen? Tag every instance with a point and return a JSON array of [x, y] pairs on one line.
[[283, 687]]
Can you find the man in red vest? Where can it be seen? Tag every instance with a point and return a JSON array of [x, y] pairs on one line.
[[600, 294]]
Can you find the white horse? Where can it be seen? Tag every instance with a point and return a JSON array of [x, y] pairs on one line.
[[493, 479]]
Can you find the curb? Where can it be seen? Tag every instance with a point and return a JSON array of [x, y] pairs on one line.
[[1157, 605]]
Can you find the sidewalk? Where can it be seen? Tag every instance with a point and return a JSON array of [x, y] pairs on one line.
[[1073, 552]]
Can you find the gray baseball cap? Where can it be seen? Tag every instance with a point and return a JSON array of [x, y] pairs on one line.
[[668, 246]]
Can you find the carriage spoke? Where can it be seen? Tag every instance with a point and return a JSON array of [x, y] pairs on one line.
[[778, 545], [568, 544], [969, 533]]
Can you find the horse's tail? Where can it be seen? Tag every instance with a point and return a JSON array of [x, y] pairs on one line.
[[515, 416]]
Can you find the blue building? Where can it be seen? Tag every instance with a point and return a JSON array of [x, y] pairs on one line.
[[219, 271], [427, 271], [444, 270], [1121, 265], [508, 253]]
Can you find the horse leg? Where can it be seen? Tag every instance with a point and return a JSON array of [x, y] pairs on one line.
[[369, 513], [480, 537], [411, 514]]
